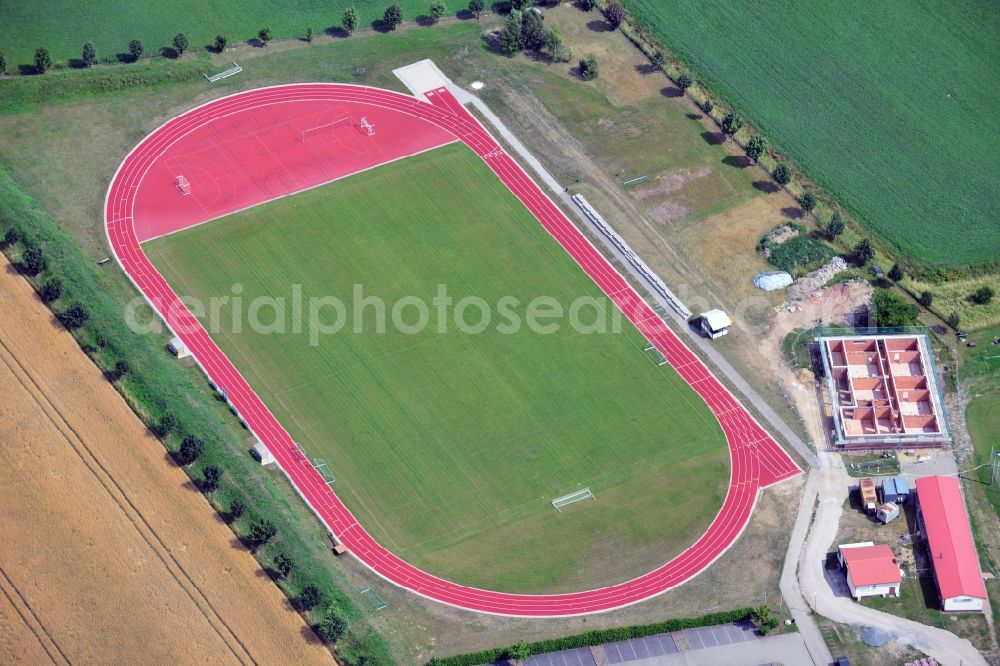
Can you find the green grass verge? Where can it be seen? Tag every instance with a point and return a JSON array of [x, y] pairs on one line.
[[63, 29], [157, 384], [898, 118], [449, 447]]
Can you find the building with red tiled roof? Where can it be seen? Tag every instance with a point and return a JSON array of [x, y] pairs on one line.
[[872, 571], [944, 524]]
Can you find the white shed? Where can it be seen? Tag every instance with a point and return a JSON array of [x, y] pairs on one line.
[[715, 323], [178, 348], [262, 455]]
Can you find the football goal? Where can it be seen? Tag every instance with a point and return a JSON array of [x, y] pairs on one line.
[[367, 126], [655, 354], [581, 494], [324, 470], [377, 602], [183, 185]]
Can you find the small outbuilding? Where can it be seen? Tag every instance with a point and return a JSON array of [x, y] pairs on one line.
[[177, 347], [869, 498], [262, 455], [887, 512], [715, 323], [872, 571], [895, 489]]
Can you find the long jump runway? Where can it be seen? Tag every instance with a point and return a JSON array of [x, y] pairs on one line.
[[242, 150]]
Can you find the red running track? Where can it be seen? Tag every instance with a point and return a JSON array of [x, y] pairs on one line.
[[757, 460]]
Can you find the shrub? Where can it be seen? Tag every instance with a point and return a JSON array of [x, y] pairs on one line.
[[896, 272], [166, 425], [350, 20], [191, 449], [615, 13], [332, 627], [707, 106], [180, 43], [954, 320], [532, 31], [119, 370], [476, 7], [836, 226], [220, 43], [437, 10], [863, 252], [309, 598], [589, 69], [983, 295], [236, 508], [891, 309], [589, 5], [684, 82], [210, 478], [926, 299], [3, 62], [807, 201], [264, 35], [393, 16], [9, 238], [43, 61], [135, 48], [763, 619], [51, 290], [782, 175], [309, 34], [89, 55], [283, 564], [519, 5], [756, 147], [33, 261], [74, 317], [731, 124], [798, 251], [260, 533], [519, 651]]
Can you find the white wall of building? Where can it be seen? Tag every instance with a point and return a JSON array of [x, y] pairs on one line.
[[872, 590], [963, 604]]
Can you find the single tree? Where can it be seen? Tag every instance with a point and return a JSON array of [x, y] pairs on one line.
[[309, 597], [836, 226], [589, 5], [658, 58], [983, 295], [520, 5], [89, 55], [166, 425], [896, 272], [731, 124], [615, 13], [707, 106], [893, 310], [283, 564], [220, 43], [756, 147], [120, 369], [210, 478], [3, 62], [926, 299], [807, 200], [191, 449], [180, 43], [43, 61], [135, 48], [782, 175], [393, 16], [264, 35], [519, 652], [75, 316], [10, 237], [511, 39], [532, 31], [51, 290], [589, 69], [349, 22], [554, 46], [954, 320], [332, 627], [476, 7], [261, 532], [309, 34], [33, 261], [863, 252], [437, 10], [684, 82], [236, 508]]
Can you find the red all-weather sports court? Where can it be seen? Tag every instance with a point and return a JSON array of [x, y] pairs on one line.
[[255, 146]]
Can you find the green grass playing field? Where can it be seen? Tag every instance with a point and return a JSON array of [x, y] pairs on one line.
[[63, 27], [450, 446], [887, 104]]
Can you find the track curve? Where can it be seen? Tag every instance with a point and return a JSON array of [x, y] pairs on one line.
[[757, 460]]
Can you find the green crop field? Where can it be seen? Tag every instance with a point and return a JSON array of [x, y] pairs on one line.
[[63, 27], [449, 445], [888, 105]]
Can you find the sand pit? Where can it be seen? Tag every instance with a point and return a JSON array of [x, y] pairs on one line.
[[109, 555]]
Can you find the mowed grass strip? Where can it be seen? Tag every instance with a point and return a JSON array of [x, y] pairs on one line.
[[883, 103], [449, 446]]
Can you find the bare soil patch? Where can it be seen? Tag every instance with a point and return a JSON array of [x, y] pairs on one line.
[[109, 553]]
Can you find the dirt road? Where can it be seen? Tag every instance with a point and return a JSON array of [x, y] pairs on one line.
[[109, 554]]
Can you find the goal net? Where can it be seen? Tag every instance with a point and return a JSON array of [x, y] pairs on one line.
[[183, 186], [559, 502]]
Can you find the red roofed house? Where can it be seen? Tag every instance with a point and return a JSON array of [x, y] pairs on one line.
[[944, 524], [871, 570]]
